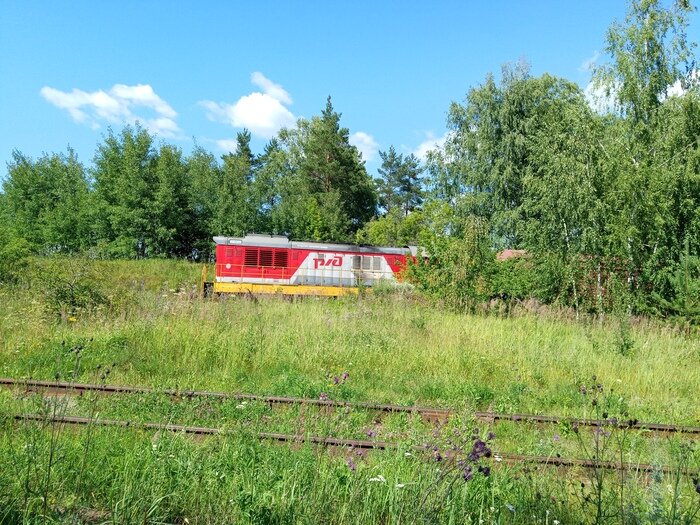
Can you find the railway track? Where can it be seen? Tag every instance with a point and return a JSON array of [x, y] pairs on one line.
[[509, 459], [428, 413]]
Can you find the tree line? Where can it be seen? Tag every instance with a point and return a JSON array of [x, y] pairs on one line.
[[143, 199], [603, 202]]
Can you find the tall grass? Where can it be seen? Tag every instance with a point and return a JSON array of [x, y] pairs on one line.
[[393, 350], [152, 329]]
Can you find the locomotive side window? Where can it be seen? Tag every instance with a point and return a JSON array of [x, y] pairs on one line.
[[265, 257], [366, 262], [281, 258], [251, 257], [376, 264], [356, 262]]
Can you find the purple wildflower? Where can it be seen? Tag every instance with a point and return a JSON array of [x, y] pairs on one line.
[[490, 436], [479, 450], [467, 473], [345, 376], [323, 396], [437, 455], [336, 380], [371, 433], [486, 471], [556, 437], [351, 465]]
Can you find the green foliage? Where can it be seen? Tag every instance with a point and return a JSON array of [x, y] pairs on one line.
[[323, 163], [13, 254], [387, 346], [649, 52], [203, 176], [588, 195], [684, 282], [605, 201], [125, 184], [69, 288], [515, 279], [399, 187], [393, 229], [458, 268], [47, 202], [173, 212], [234, 208]]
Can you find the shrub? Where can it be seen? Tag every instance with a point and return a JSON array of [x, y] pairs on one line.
[[13, 253], [68, 287], [459, 267]]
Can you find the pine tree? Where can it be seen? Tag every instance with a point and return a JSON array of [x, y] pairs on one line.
[[399, 186], [324, 161]]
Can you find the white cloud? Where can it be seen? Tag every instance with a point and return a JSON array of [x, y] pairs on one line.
[[228, 145], [264, 114], [600, 99], [270, 88], [116, 107], [604, 101], [430, 143], [143, 95], [588, 64], [678, 88], [366, 144]]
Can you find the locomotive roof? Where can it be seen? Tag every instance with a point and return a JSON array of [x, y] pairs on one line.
[[280, 241]]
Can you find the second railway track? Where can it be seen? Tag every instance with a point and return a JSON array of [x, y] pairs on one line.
[[509, 459], [429, 413]]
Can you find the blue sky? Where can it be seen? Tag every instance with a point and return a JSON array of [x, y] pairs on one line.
[[203, 71]]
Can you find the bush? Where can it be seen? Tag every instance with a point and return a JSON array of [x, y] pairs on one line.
[[69, 287], [458, 269], [13, 253], [514, 279], [684, 283]]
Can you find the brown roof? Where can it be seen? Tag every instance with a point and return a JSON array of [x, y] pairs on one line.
[[511, 254]]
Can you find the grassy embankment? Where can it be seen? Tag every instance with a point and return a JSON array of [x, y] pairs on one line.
[[149, 328]]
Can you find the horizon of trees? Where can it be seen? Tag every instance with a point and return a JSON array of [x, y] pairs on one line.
[[527, 164]]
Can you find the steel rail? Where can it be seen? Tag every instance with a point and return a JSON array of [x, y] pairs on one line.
[[599, 423], [430, 413], [58, 386], [510, 459]]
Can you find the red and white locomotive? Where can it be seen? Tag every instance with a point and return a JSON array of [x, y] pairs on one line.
[[274, 264]]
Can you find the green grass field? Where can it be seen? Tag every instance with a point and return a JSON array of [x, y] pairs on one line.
[[146, 324]]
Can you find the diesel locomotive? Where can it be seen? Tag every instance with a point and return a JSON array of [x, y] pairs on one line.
[[272, 264]]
